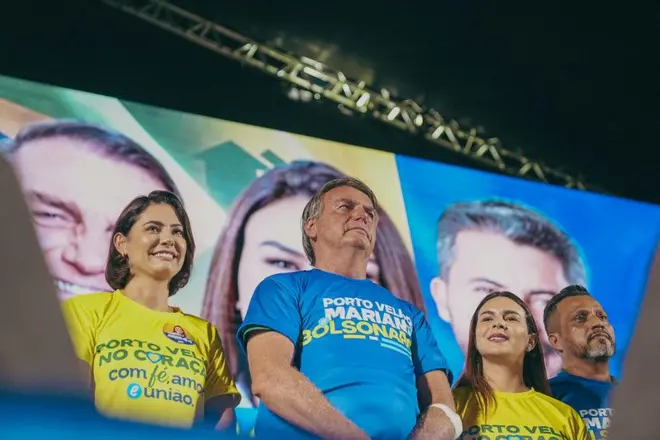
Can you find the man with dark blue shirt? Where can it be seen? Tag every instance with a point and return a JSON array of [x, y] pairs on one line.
[[580, 332], [334, 355]]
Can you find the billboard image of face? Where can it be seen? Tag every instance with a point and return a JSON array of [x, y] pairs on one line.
[[447, 236], [491, 233], [486, 246], [66, 172]]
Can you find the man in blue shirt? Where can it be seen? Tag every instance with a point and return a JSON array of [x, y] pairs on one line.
[[580, 332], [333, 354]]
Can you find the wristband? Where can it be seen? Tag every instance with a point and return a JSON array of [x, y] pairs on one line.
[[455, 419]]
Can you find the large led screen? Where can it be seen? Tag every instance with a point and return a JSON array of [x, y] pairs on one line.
[[449, 235]]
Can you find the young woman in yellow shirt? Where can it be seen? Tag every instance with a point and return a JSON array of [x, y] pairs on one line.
[[504, 392], [146, 360]]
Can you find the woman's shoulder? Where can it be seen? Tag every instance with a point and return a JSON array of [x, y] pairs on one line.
[[199, 325], [462, 394], [466, 403], [89, 300], [461, 391], [550, 403]]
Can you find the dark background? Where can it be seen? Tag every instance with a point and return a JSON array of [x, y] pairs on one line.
[[566, 86]]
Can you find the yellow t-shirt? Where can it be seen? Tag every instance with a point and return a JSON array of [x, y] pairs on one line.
[[147, 366], [526, 416]]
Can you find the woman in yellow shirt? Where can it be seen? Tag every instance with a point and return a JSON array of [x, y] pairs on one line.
[[149, 361], [504, 392]]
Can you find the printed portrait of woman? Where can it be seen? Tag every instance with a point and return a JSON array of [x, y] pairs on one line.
[[263, 237]]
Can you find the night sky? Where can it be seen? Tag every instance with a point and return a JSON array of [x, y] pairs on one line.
[[565, 86]]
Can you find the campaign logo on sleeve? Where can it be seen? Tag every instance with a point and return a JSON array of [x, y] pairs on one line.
[[177, 334]]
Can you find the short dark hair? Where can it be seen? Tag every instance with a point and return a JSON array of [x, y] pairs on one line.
[[110, 143], [314, 207], [566, 292], [519, 224], [117, 269]]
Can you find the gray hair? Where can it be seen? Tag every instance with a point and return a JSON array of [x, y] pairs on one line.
[[519, 224], [314, 207]]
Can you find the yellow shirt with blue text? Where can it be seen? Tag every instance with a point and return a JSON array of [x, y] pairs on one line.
[[528, 415], [149, 366]]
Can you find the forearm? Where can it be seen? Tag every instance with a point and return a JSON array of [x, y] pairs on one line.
[[228, 419], [290, 395], [433, 424], [218, 411]]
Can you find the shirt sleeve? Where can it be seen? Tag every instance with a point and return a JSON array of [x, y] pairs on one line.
[[466, 407], [425, 352], [577, 427], [218, 376], [274, 306], [460, 399], [81, 323]]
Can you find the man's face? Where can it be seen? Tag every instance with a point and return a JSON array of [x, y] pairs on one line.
[[75, 195], [487, 261], [272, 244], [579, 328], [348, 219]]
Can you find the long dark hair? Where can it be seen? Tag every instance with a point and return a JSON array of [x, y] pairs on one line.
[[299, 178], [117, 270], [534, 375]]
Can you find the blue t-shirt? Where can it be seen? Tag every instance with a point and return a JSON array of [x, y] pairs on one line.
[[589, 398], [361, 346]]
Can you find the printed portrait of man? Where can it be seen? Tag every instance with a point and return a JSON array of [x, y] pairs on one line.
[[484, 246], [77, 177]]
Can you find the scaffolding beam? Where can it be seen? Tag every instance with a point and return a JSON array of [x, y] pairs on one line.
[[324, 82]]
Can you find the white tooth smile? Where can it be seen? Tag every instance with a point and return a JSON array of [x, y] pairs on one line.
[[498, 338], [73, 289], [165, 255]]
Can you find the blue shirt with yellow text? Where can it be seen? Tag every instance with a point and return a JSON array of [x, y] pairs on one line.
[[589, 398], [361, 346]]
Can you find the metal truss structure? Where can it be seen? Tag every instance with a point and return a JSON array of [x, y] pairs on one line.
[[324, 82]]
